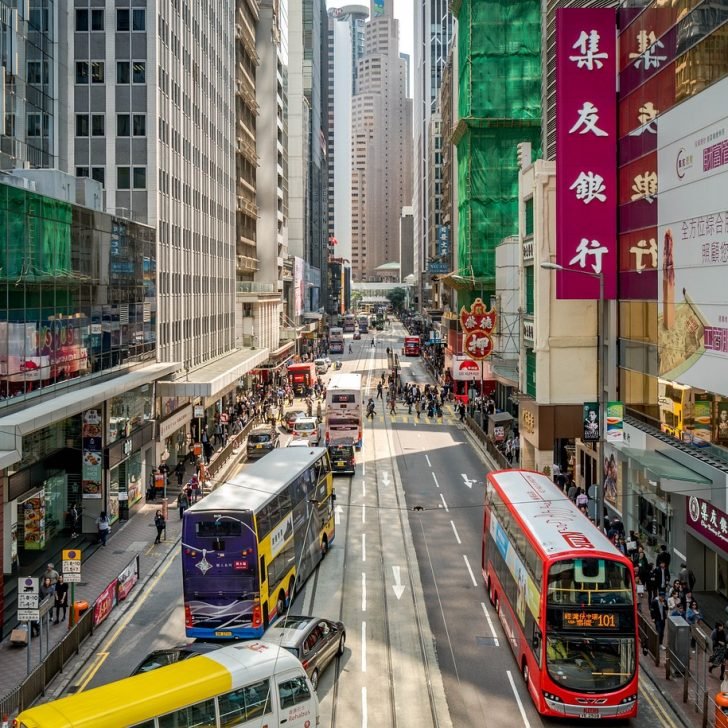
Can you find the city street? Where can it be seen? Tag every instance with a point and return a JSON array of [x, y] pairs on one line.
[[424, 647]]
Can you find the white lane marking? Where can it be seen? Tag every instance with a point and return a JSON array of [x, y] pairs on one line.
[[518, 699], [470, 571], [363, 489], [363, 592], [455, 531], [363, 547], [364, 715], [338, 511], [363, 646], [364, 514], [434, 477], [443, 503], [427, 457], [490, 624], [398, 586], [467, 480]]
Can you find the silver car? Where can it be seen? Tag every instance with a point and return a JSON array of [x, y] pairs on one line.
[[314, 641]]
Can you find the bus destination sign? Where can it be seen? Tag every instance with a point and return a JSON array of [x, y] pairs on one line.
[[590, 620]]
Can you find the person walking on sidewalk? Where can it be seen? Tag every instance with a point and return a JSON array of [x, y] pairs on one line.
[[718, 639], [182, 503], [61, 599], [659, 615], [380, 390], [179, 471], [104, 527], [370, 408], [74, 519], [161, 525]]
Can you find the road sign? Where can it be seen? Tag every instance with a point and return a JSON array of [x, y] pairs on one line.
[[71, 566], [28, 599]]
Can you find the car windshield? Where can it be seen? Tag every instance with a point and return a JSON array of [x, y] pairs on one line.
[[340, 453], [305, 426], [590, 663], [589, 582], [260, 437]]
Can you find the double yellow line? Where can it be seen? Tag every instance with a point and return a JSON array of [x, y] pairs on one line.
[[100, 657], [658, 708]]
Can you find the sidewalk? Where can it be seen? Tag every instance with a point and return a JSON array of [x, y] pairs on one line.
[[100, 566]]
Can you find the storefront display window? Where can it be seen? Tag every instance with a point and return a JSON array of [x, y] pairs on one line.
[[38, 445], [134, 486], [56, 504], [129, 411], [114, 476]]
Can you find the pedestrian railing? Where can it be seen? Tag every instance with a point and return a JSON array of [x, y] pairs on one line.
[[490, 446], [231, 449]]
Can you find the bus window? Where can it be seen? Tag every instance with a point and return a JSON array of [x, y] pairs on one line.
[[245, 703], [292, 692], [592, 581], [298, 490], [145, 724], [199, 715]]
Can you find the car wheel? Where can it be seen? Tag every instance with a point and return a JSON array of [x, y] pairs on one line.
[[342, 644], [315, 679]]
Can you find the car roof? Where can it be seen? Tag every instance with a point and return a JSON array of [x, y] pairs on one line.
[[305, 419], [291, 634], [262, 428], [299, 442]]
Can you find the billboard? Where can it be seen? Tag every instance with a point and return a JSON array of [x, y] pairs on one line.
[[298, 286], [586, 149], [692, 215], [377, 8]]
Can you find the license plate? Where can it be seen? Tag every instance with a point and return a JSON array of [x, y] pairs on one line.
[[340, 463], [590, 713], [258, 447], [223, 634]]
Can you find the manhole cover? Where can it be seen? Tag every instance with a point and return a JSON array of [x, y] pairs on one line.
[[485, 641]]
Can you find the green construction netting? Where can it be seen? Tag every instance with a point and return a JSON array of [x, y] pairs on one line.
[[35, 235], [499, 47]]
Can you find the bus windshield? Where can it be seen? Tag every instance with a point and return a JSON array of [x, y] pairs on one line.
[[590, 663], [589, 582]]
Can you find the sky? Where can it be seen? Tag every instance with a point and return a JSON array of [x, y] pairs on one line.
[[404, 12]]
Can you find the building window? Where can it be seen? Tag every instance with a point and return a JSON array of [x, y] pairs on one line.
[[34, 125], [123, 73], [81, 125], [123, 126], [140, 125], [81, 171], [10, 125], [38, 72], [97, 125], [97, 71], [98, 173], [140, 178], [122, 19], [82, 19], [135, 20], [139, 72], [97, 19], [81, 72], [123, 178]]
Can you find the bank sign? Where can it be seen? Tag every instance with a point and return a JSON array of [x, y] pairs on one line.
[[707, 520]]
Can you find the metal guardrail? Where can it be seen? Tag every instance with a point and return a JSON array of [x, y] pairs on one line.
[[230, 450], [489, 445]]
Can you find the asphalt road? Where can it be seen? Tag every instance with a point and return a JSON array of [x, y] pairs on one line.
[[424, 647]]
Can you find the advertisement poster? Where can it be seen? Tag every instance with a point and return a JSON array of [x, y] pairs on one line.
[[34, 529], [92, 456], [703, 420], [693, 241], [105, 603], [611, 480], [591, 422], [615, 422], [298, 284], [586, 147], [721, 423]]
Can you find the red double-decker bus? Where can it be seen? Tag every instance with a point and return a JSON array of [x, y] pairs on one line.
[[565, 597], [411, 345]]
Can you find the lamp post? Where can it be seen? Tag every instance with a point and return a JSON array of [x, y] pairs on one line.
[[548, 265]]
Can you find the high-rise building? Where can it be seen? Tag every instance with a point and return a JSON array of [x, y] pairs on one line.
[[433, 33], [346, 47], [381, 146]]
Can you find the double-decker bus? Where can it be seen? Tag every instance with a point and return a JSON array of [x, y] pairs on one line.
[[301, 377], [349, 323], [248, 545], [411, 345], [565, 597], [336, 340], [344, 415], [363, 323]]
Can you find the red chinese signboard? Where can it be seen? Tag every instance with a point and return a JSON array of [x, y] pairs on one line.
[[586, 152], [477, 324]]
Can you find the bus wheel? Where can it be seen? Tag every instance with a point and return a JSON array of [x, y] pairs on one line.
[[490, 594], [324, 546], [524, 671], [281, 603], [497, 606], [266, 619], [292, 588]]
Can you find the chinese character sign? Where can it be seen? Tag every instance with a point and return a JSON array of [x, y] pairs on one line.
[[477, 324], [709, 521], [586, 153]]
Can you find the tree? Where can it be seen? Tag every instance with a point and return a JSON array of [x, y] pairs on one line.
[[356, 298], [397, 297]]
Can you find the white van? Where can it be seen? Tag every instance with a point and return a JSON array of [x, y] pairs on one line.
[[322, 366]]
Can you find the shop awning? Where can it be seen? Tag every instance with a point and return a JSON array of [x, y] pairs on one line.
[[74, 401], [214, 378], [664, 467], [281, 350], [506, 372]]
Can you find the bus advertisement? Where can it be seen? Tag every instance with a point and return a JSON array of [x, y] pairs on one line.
[[349, 323], [336, 340], [344, 416], [301, 377], [411, 345], [247, 545], [565, 596]]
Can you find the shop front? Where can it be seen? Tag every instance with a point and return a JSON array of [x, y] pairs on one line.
[[126, 461], [707, 545], [174, 436], [466, 377], [548, 435]]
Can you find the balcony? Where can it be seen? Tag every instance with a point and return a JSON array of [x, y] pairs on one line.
[[255, 287], [246, 206], [247, 148], [528, 249], [245, 263]]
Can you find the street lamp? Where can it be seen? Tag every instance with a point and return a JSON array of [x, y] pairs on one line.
[[549, 265]]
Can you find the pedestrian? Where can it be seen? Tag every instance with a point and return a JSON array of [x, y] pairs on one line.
[[662, 576], [46, 591], [572, 491], [104, 527], [182, 503], [582, 499], [392, 406], [74, 519], [718, 640], [461, 411], [161, 525], [380, 390], [179, 471], [659, 615], [60, 596], [50, 573], [350, 349], [370, 408], [663, 558], [319, 411], [418, 407], [194, 484]]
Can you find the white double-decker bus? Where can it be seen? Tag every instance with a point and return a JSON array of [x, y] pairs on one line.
[[336, 340], [344, 410]]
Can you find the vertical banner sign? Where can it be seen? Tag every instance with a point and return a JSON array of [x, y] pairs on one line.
[[591, 422], [615, 422], [477, 325], [586, 151]]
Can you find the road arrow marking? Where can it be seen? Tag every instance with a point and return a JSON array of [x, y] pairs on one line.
[[338, 511], [467, 480], [398, 586], [385, 479]]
